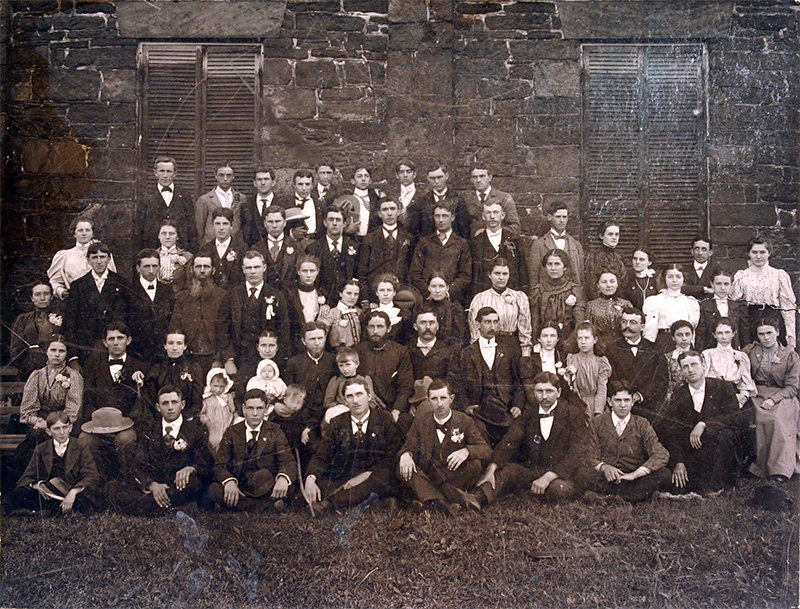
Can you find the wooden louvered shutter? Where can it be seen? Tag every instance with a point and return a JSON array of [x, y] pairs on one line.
[[643, 145], [199, 104]]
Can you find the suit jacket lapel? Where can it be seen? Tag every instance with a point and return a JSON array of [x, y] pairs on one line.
[[70, 456], [47, 457]]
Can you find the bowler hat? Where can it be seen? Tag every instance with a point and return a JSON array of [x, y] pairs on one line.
[[407, 296], [420, 390], [770, 498], [107, 420]]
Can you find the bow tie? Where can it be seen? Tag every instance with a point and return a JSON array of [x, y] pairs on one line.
[[151, 286], [166, 189], [116, 362], [549, 415], [441, 426]]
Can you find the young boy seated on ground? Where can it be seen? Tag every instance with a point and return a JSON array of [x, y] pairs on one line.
[[347, 360], [60, 475], [625, 458], [255, 468], [291, 415], [172, 462]]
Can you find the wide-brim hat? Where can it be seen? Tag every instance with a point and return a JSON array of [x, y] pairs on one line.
[[347, 202], [107, 420], [407, 297], [295, 214], [420, 390], [493, 412], [770, 498]]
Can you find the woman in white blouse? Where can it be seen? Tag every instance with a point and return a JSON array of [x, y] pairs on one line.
[[71, 264], [768, 291], [726, 363], [664, 309]]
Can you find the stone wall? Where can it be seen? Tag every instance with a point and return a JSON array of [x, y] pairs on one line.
[[376, 80]]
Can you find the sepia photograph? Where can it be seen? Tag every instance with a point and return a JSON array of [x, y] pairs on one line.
[[399, 304]]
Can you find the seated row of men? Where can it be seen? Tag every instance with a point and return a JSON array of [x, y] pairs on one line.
[[444, 462]]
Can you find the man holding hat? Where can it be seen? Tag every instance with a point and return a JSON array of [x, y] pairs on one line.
[[430, 356]]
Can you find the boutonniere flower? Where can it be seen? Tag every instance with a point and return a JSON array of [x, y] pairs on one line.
[[231, 256], [270, 300], [511, 249], [351, 251], [320, 300], [457, 436], [406, 243], [571, 300], [290, 250], [180, 444], [187, 376], [509, 296], [118, 377], [181, 260], [54, 319], [63, 379], [617, 307], [537, 439]]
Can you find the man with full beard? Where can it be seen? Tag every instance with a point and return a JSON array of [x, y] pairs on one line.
[[196, 312]]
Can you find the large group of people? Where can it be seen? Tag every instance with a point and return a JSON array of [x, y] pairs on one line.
[[408, 343]]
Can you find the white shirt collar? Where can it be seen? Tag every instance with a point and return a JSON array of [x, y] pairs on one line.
[[102, 277], [616, 420], [146, 283], [498, 233], [123, 357], [249, 429], [487, 343], [175, 426], [447, 236], [389, 230], [701, 389], [224, 194], [447, 418], [555, 235], [338, 242], [224, 244], [258, 288], [360, 192], [60, 448], [550, 412], [424, 345], [267, 198], [487, 192]]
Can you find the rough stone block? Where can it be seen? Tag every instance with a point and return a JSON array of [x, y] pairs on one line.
[[68, 85], [316, 74], [360, 72], [478, 8], [621, 19], [301, 6], [54, 157], [413, 36], [766, 23], [407, 11], [724, 194], [484, 49], [479, 68], [559, 161], [743, 215], [361, 110], [122, 136], [118, 164], [291, 103], [522, 72], [343, 94], [518, 21], [557, 79], [441, 10], [277, 72], [547, 8], [79, 24], [105, 113], [363, 134], [531, 50], [550, 131], [118, 85], [421, 107], [731, 155], [491, 88], [426, 73], [330, 23], [242, 19], [367, 6]]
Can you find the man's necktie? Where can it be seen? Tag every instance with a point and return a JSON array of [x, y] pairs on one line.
[[253, 293], [116, 362], [251, 443], [442, 238], [620, 427], [391, 238], [273, 251], [361, 429], [335, 248], [166, 189], [151, 286], [482, 197]]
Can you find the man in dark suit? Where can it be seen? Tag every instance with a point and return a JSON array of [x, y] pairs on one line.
[[114, 378], [96, 299], [483, 192], [196, 314], [254, 209], [405, 191], [162, 202], [542, 449], [356, 455], [624, 457], [280, 251], [493, 243], [255, 468], [221, 197], [246, 311], [443, 454], [490, 381], [385, 250], [325, 190], [418, 219], [61, 474], [337, 253], [701, 428], [714, 309], [443, 252], [305, 197], [389, 367], [698, 276], [150, 308], [313, 369], [225, 250], [635, 359], [430, 355], [172, 462]]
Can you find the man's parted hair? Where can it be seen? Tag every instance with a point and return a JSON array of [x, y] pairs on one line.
[[437, 384], [483, 312], [147, 253], [617, 385], [224, 212], [358, 379], [634, 311], [547, 377], [170, 389], [310, 326], [690, 353]]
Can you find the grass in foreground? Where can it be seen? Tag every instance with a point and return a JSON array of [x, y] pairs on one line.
[[717, 552]]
